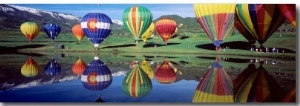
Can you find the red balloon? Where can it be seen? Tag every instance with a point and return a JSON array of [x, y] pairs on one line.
[[165, 27], [289, 11], [165, 74]]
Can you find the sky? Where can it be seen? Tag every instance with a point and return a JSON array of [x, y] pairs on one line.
[[115, 11]]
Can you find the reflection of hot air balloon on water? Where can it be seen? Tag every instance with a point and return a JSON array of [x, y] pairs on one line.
[[217, 20], [52, 30], [216, 86], [258, 86], [165, 27], [289, 11], [79, 67], [96, 27], [147, 69], [261, 20], [165, 74], [52, 67], [137, 83], [30, 68], [30, 30], [148, 32], [96, 76], [78, 32], [290, 95], [239, 80], [137, 19]]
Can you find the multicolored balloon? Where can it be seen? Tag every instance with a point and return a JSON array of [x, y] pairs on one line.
[[137, 83], [242, 77], [147, 69], [137, 19], [30, 30], [289, 11], [52, 67], [96, 76], [259, 87], [148, 32], [30, 68], [217, 20], [97, 27], [78, 32], [216, 86], [290, 96], [165, 27], [243, 30], [165, 74], [52, 30], [78, 67], [261, 20]]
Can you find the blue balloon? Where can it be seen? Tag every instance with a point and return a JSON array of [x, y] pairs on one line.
[[52, 68], [52, 30], [96, 76], [96, 26]]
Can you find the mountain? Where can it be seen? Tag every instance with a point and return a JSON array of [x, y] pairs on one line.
[[12, 16]]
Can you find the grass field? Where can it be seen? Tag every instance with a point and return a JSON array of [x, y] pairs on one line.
[[191, 43]]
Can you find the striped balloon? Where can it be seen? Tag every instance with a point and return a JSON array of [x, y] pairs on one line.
[[96, 26], [261, 20], [289, 11], [96, 76], [137, 83], [78, 32], [30, 68], [165, 27], [242, 77], [243, 30], [216, 86], [78, 67], [217, 20], [52, 67], [165, 74], [137, 19], [30, 30], [52, 30], [259, 87]]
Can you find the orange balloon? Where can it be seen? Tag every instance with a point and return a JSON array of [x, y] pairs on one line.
[[78, 32], [78, 67]]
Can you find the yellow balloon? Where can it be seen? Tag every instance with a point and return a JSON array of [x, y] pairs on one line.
[[147, 69], [148, 32], [30, 68], [30, 30]]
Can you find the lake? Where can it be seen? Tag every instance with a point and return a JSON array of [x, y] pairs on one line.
[[185, 78]]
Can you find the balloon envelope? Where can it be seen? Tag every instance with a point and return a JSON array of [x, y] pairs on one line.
[[147, 69], [216, 86], [30, 30], [52, 30], [52, 68], [96, 76], [148, 32], [137, 83], [243, 30], [96, 27], [261, 20], [137, 19], [78, 32], [289, 11], [165, 74], [30, 68], [79, 67], [165, 27], [217, 20], [290, 95]]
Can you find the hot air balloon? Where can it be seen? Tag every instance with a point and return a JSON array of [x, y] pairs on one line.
[[52, 30], [30, 68], [165, 74], [243, 30], [96, 27], [52, 67], [147, 69], [30, 30], [79, 67], [78, 32], [96, 76], [137, 19], [261, 20], [259, 87], [148, 32], [217, 20], [290, 95], [137, 83], [289, 11], [242, 77], [165, 27], [216, 86]]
